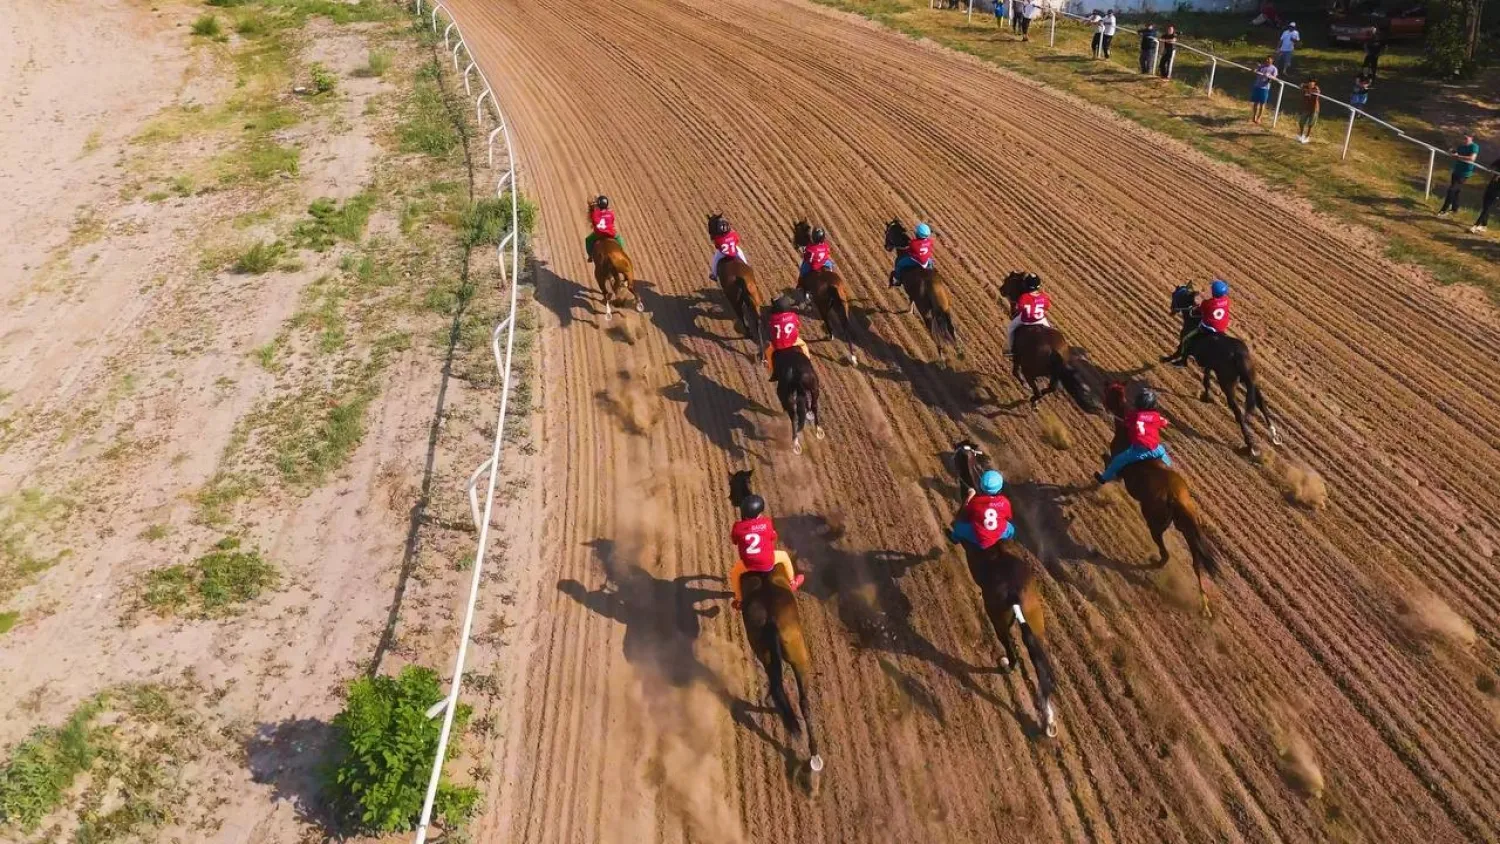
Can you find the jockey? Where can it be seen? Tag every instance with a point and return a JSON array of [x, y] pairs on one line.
[[918, 253], [1030, 309], [1213, 317], [1144, 424], [786, 331], [726, 244], [754, 537], [985, 517], [817, 255], [602, 220]]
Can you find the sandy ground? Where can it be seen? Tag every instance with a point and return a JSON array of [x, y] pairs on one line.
[[1338, 694]]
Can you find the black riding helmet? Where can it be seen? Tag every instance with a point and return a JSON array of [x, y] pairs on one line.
[[1145, 399], [1031, 283], [602, 203], [752, 506], [783, 304], [818, 235], [718, 227]]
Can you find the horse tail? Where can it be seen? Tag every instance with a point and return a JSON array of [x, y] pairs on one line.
[[1067, 374], [1045, 676], [839, 304], [774, 672], [1189, 521]]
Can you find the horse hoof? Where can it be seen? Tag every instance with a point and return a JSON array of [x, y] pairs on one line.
[[640, 307], [1051, 722], [1004, 664], [853, 361], [819, 432], [1275, 438], [815, 764], [796, 445]]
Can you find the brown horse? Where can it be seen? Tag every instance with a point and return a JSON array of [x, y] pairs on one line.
[[1007, 583], [1164, 497], [1039, 351], [745, 299], [826, 290], [613, 273], [927, 292], [769, 610]]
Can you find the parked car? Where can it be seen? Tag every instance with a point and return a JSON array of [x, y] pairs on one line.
[[1365, 21]]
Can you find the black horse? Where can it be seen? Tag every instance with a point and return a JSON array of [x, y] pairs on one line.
[[797, 389], [737, 281], [926, 291], [1007, 583], [1227, 359]]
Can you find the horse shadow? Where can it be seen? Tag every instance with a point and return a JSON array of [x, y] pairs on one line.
[[676, 315], [870, 604], [291, 756], [1048, 534], [561, 295], [954, 393], [714, 409]]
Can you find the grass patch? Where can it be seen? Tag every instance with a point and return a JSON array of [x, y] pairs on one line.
[[324, 314], [8, 621], [26, 519], [156, 532], [219, 497], [331, 222], [317, 438], [377, 65], [485, 222], [426, 126], [208, 26], [215, 584], [44, 766], [260, 258], [265, 355], [253, 25]]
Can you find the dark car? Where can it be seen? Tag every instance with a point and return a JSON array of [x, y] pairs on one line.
[[1362, 22]]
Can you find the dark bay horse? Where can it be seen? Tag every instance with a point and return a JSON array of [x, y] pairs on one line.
[[1228, 360], [1041, 351], [926, 291], [769, 610], [826, 290], [797, 390], [745, 299], [613, 273], [1006, 581], [1164, 497]]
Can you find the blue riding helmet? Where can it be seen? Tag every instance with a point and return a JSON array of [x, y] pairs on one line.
[[1219, 288], [991, 482], [923, 230]]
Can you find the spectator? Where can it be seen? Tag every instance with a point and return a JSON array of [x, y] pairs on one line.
[[1491, 197], [1373, 48], [1016, 9], [1361, 94], [1148, 48], [1312, 99], [1463, 167], [1289, 38], [1028, 14], [1097, 45], [1260, 89], [999, 13], [1168, 52], [1111, 26]]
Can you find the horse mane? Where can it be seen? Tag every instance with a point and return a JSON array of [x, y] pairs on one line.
[[801, 234], [1114, 397]]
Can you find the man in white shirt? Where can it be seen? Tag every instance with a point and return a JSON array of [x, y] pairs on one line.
[[1029, 12], [1289, 38], [1110, 28]]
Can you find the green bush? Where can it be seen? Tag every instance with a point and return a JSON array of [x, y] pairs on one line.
[[488, 220], [260, 258], [207, 26], [212, 585], [323, 79], [385, 744], [43, 767], [332, 222]]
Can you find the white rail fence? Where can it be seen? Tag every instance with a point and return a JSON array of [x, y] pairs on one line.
[[508, 254]]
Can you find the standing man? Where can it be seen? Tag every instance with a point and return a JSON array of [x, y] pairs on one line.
[[1463, 167], [1148, 48], [1028, 14], [1312, 97], [1110, 27], [1491, 198], [1373, 48], [1168, 51], [1260, 89], [1289, 38]]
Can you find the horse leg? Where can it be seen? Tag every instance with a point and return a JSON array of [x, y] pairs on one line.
[[1239, 416], [1207, 394], [778, 690], [1255, 399], [815, 414], [640, 304], [1036, 394], [804, 704], [1029, 613], [1002, 618], [1158, 522]]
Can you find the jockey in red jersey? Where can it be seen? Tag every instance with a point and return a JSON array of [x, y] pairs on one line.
[[754, 537], [1030, 309], [818, 255], [918, 253], [785, 327], [726, 244], [985, 517], [1213, 315], [602, 221], [1145, 425]]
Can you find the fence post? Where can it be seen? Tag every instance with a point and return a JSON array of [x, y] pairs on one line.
[[1213, 69], [1280, 92], [1431, 163], [1155, 52], [1348, 133], [1052, 35], [971, 12]]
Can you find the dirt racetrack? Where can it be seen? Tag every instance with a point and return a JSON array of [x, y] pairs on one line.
[[1344, 690]]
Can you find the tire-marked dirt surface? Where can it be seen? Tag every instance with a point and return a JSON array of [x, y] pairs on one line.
[[1344, 689]]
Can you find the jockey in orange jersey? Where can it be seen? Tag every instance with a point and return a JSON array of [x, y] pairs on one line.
[[602, 221], [726, 245], [818, 255], [1213, 315], [1144, 424], [754, 537], [785, 328], [1030, 309]]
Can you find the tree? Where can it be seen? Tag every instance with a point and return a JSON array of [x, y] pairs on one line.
[[1453, 37]]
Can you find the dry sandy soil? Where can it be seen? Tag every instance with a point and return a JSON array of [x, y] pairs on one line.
[[1344, 690]]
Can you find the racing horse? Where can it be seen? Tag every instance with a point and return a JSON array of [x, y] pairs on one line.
[[613, 273], [1042, 351], [1007, 583], [769, 611], [1164, 497], [926, 291], [826, 290], [797, 390], [1228, 360], [745, 299]]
